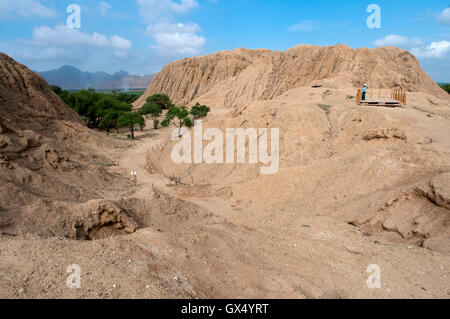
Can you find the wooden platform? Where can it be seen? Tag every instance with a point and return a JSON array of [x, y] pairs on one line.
[[379, 97], [382, 102]]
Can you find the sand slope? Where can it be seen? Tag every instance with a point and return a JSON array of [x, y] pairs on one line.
[[241, 76], [357, 186], [371, 167]]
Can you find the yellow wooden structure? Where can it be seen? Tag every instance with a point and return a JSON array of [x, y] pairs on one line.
[[399, 95], [379, 97]]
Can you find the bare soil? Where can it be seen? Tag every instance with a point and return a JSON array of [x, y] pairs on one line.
[[357, 186]]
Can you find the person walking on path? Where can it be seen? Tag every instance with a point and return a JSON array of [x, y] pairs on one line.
[[364, 92]]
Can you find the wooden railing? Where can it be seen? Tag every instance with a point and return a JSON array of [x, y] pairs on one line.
[[359, 96], [399, 95], [396, 94]]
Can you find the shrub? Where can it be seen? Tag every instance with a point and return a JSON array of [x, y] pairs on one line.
[[154, 110], [325, 107], [160, 99], [178, 116], [130, 120], [199, 111], [446, 87]]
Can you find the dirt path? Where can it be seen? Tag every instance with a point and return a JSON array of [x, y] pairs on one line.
[[134, 159], [225, 254], [297, 257]]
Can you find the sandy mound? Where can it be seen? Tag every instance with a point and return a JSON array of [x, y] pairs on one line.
[[27, 100], [240, 76], [45, 150], [356, 186], [337, 159], [48, 159]]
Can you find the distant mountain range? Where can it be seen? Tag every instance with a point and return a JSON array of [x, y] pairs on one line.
[[70, 78]]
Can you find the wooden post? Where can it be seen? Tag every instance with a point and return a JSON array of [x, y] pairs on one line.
[[134, 175], [359, 96]]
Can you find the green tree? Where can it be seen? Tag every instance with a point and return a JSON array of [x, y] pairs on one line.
[[127, 97], [83, 102], [446, 87], [106, 104], [199, 111], [155, 112], [110, 120], [64, 95], [56, 89], [178, 116], [162, 100], [130, 120], [109, 114]]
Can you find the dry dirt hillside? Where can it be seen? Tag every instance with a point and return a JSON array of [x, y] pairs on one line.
[[241, 76], [64, 200], [48, 158], [381, 169], [357, 186]]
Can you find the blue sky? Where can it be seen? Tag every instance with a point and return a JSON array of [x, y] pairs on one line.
[[141, 36]]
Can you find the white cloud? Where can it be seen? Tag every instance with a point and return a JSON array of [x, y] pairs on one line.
[[304, 26], [45, 53], [435, 50], [171, 39], [180, 43], [62, 36], [444, 16], [177, 39], [64, 45], [103, 7], [25, 8], [120, 43], [398, 41], [165, 27], [157, 10]]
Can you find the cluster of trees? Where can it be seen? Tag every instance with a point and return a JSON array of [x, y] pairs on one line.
[[178, 116], [154, 107], [129, 97], [113, 111], [446, 87], [98, 110]]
